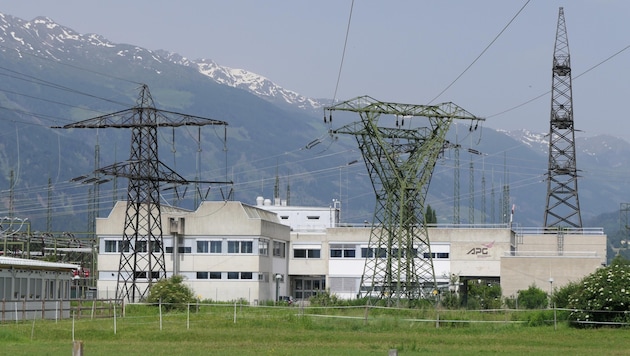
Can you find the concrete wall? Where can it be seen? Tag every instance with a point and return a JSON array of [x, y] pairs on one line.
[[538, 259], [518, 273], [474, 252]]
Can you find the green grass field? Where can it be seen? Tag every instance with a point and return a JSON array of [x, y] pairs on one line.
[[225, 330]]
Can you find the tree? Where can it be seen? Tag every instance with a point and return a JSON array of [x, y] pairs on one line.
[[603, 296], [532, 298], [172, 293], [430, 217], [483, 295]]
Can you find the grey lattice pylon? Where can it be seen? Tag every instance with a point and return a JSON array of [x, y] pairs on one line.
[[400, 159], [563, 206], [142, 249]]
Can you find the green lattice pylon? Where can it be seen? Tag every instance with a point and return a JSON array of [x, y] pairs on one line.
[[400, 159]]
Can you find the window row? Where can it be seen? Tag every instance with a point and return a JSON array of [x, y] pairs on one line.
[[278, 249], [232, 275], [261, 246], [350, 251], [34, 288]]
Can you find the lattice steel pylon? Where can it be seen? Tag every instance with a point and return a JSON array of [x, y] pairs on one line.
[[142, 252], [400, 160], [563, 206]]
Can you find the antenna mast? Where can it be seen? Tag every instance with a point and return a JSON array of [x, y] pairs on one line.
[[563, 207]]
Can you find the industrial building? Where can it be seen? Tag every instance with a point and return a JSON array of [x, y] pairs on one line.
[[230, 250], [35, 289]]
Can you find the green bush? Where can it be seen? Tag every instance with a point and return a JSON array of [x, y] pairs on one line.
[[603, 296], [562, 296], [324, 299], [532, 298], [539, 317], [172, 293], [484, 295]]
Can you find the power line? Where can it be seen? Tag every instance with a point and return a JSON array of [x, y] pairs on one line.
[[74, 66], [549, 91], [480, 54], [343, 54]]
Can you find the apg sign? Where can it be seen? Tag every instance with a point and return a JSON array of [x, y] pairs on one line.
[[482, 251]]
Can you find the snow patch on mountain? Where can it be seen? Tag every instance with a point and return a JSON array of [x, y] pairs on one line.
[[246, 80], [55, 41]]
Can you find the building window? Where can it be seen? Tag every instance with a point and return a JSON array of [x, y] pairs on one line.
[[345, 251], [155, 246], [312, 217], [308, 287], [141, 246], [116, 246], [240, 246], [124, 246], [438, 255], [371, 252], [215, 246], [263, 276], [263, 247], [202, 247], [202, 275], [279, 249], [246, 275], [306, 253], [215, 275], [233, 275], [111, 246]]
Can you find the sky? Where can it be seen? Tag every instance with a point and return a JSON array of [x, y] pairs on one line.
[[491, 57]]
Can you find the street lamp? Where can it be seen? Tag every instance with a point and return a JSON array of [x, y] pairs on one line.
[[278, 278], [550, 290]]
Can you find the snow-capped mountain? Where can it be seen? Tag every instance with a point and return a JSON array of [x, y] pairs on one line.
[[262, 123], [246, 80], [45, 38], [601, 149]]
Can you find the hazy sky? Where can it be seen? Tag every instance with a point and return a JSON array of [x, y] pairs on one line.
[[401, 51]]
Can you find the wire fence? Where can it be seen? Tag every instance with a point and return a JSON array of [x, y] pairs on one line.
[[113, 316]]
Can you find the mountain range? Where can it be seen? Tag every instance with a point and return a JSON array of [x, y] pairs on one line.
[[275, 140]]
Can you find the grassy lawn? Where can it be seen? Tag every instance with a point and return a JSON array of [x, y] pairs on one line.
[[283, 331]]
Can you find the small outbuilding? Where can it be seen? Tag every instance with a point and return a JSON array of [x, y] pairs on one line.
[[35, 289]]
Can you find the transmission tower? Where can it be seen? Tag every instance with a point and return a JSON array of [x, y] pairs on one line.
[[142, 254], [400, 163], [563, 207]]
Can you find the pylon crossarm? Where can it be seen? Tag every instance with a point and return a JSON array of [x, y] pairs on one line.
[[138, 117], [364, 104], [164, 173]]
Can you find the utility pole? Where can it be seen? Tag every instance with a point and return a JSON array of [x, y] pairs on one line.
[[142, 254], [563, 206], [400, 160]]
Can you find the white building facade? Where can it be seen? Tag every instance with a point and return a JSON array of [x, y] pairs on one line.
[[225, 251], [230, 250]]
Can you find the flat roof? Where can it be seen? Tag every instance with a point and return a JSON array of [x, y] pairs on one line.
[[23, 262]]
